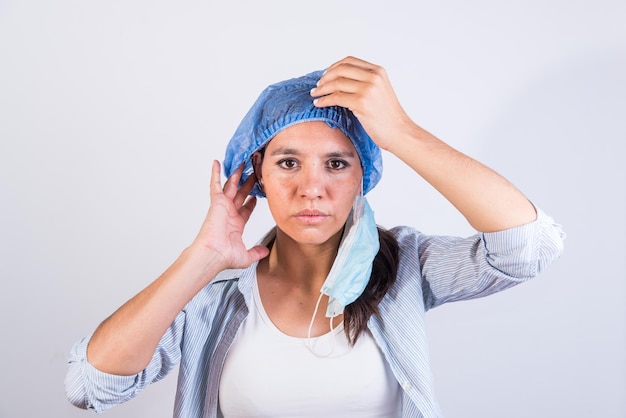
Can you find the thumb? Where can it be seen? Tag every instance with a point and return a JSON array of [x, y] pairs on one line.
[[258, 252]]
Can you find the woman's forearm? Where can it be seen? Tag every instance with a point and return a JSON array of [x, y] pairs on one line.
[[487, 200], [125, 342]]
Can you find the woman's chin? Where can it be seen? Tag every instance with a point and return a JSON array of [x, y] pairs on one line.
[[313, 236]]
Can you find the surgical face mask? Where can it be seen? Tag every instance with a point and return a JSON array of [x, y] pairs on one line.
[[352, 268]]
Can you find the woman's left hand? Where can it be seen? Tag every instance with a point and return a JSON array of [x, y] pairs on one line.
[[486, 199], [364, 88]]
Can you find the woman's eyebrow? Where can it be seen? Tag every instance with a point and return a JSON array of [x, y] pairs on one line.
[[341, 154], [332, 154], [285, 151]]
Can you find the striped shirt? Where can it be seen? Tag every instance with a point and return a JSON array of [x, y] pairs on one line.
[[432, 270]]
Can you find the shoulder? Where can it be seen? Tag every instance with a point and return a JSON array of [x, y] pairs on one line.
[[406, 235], [409, 241]]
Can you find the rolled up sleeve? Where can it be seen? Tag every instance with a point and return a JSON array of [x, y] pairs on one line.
[[524, 251], [89, 388], [465, 268]]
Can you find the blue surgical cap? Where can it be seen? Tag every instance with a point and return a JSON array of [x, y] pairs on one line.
[[285, 104]]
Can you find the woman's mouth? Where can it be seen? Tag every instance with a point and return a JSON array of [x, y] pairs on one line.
[[310, 216]]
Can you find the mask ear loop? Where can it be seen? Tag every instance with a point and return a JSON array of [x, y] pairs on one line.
[[309, 344]]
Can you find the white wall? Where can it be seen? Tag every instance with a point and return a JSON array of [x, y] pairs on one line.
[[110, 113]]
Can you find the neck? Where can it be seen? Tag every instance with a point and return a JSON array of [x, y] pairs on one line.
[[303, 265]]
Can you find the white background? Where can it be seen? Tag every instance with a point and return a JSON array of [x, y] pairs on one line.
[[111, 112]]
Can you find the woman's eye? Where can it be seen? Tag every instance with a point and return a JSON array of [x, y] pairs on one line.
[[288, 163], [337, 164]]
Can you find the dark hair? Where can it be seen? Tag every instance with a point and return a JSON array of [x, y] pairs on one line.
[[384, 271]]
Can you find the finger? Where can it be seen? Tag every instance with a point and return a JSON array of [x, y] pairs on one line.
[[247, 208], [343, 71], [232, 184], [358, 70], [341, 84], [244, 190], [348, 100], [353, 61], [258, 252], [216, 180]]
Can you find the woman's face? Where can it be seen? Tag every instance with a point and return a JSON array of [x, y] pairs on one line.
[[311, 174]]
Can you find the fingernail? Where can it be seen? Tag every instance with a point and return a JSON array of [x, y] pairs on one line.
[[315, 102], [313, 91]]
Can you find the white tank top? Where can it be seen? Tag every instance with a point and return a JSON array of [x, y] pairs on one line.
[[270, 374]]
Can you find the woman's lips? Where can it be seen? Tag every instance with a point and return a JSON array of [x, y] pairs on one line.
[[310, 216]]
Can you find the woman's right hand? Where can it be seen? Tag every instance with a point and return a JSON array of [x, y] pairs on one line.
[[221, 233], [125, 342]]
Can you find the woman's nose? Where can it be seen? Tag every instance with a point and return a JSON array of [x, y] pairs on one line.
[[311, 185]]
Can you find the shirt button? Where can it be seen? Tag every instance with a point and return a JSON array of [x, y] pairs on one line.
[[406, 386]]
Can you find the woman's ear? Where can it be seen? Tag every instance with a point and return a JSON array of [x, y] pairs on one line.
[[257, 163]]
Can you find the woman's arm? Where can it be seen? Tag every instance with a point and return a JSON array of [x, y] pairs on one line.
[[487, 200], [125, 342]]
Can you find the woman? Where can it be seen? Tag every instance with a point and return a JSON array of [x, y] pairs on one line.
[[325, 317]]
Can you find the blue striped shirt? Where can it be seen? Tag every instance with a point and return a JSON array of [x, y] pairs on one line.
[[432, 270]]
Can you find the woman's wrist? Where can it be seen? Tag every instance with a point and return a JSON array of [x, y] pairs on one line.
[[198, 264]]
